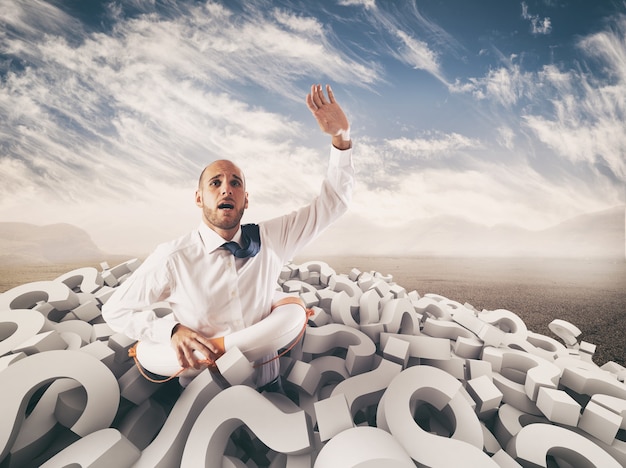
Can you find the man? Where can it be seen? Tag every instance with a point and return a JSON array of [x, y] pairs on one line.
[[213, 292]]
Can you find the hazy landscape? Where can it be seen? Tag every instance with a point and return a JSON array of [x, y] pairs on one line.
[[592, 235], [573, 271]]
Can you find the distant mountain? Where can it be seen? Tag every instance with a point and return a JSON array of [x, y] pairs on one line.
[[594, 235], [23, 243], [600, 234]]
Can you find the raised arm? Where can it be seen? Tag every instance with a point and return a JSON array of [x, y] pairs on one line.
[[329, 115]]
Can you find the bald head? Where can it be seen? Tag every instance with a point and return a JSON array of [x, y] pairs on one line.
[[219, 166]]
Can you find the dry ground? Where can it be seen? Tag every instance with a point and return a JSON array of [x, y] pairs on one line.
[[591, 294]]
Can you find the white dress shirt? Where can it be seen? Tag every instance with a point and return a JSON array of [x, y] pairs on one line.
[[211, 291]]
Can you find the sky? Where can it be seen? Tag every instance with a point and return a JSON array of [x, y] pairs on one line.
[[494, 111]]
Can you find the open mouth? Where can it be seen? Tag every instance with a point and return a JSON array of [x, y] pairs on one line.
[[225, 206]]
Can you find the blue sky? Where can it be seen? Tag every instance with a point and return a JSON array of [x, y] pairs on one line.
[[498, 112]]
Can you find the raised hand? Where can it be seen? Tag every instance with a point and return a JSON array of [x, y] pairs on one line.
[[329, 115]]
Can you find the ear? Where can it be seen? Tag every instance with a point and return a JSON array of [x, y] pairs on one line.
[[199, 202], [246, 205]]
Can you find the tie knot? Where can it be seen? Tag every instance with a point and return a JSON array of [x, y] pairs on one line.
[[232, 247], [251, 242]]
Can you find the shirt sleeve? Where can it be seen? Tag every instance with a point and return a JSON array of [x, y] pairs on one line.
[[129, 310], [287, 234]]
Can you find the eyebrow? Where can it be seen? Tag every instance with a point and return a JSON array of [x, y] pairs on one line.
[[219, 176]]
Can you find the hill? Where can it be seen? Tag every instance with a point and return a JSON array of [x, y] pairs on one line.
[[24, 243], [593, 235]]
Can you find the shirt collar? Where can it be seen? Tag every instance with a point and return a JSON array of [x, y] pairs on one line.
[[212, 240]]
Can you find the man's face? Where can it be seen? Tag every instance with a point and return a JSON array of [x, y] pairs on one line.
[[223, 198]]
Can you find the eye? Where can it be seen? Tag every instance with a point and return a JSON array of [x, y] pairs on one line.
[[235, 183], [215, 183]]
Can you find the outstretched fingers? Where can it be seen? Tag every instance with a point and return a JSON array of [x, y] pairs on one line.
[[331, 95], [316, 99], [309, 102], [320, 93]]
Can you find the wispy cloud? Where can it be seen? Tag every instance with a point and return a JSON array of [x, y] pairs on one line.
[[433, 146], [587, 123], [407, 35], [121, 116], [578, 114], [506, 137], [157, 96], [538, 25], [107, 125], [368, 4], [506, 85], [395, 192], [417, 54]]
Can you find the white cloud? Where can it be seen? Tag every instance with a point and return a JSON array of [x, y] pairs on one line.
[[438, 145], [587, 123], [538, 25], [34, 18], [399, 35], [601, 143], [367, 4], [298, 23], [417, 54], [505, 85], [609, 46], [577, 114], [403, 180], [505, 137], [109, 131], [155, 97], [487, 194]]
